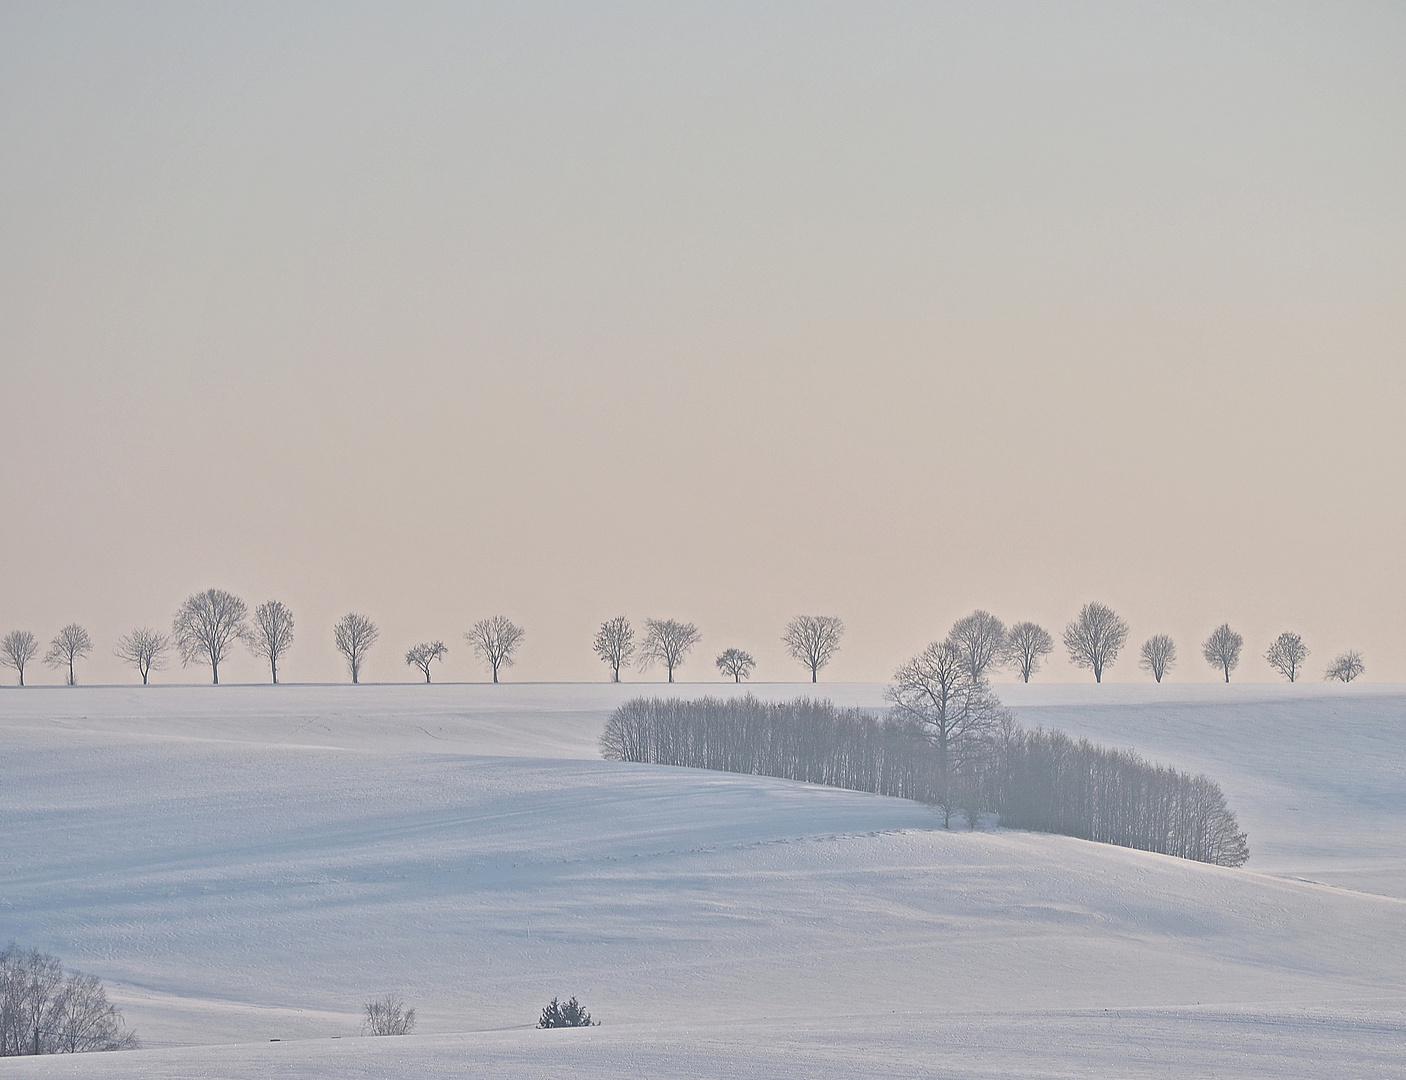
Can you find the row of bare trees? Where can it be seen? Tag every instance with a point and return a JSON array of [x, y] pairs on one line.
[[952, 746], [811, 640], [46, 1010]]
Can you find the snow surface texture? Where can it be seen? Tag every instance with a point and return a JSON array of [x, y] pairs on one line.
[[247, 863]]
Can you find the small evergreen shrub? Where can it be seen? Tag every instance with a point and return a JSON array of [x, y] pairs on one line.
[[571, 1014]]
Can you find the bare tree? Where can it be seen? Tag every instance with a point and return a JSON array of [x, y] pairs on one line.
[[812, 640], [960, 714], [425, 654], [1027, 644], [981, 639], [1222, 649], [44, 1010], [145, 649], [1094, 638], [667, 641], [272, 635], [70, 644], [495, 640], [354, 635], [17, 649], [388, 1016], [207, 625], [615, 644], [1287, 655], [1345, 667], [1159, 654], [736, 663]]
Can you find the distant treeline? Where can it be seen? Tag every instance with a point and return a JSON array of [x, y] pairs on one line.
[[1039, 780]]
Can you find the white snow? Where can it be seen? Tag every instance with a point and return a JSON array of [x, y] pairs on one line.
[[241, 864]]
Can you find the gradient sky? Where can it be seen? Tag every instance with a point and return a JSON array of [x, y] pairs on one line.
[[718, 312]]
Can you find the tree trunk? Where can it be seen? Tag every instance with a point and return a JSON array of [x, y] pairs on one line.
[[215, 671], [813, 672]]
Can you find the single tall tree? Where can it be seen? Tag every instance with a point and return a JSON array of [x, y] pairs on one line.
[[272, 635], [17, 649], [495, 640], [425, 654], [981, 639], [145, 649], [667, 641], [1094, 638], [207, 626], [69, 644], [1159, 653], [1287, 655], [354, 635], [615, 644], [1345, 667], [812, 640], [959, 714], [1027, 644], [1222, 649], [736, 663]]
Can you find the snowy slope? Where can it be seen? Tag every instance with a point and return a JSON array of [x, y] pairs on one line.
[[249, 863]]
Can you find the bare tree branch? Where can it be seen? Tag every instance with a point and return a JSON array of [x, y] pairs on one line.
[[17, 649], [615, 644], [354, 635], [1027, 644], [69, 644], [1287, 655], [272, 635], [1222, 649], [667, 641], [981, 639], [1094, 638], [812, 640], [736, 663], [425, 654], [1159, 654], [207, 626], [1345, 667], [145, 649], [495, 640]]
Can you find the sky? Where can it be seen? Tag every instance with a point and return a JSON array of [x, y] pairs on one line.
[[718, 312]]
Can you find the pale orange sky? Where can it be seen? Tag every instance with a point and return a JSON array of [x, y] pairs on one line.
[[883, 311]]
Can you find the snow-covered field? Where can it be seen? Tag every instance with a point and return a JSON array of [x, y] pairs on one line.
[[242, 864]]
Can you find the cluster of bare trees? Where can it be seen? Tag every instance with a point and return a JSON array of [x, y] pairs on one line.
[[811, 640], [957, 749], [46, 1010]]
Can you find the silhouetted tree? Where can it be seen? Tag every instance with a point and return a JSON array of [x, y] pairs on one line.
[[1159, 653], [1027, 644], [736, 663], [1345, 667], [44, 1010], [615, 644], [145, 649], [272, 635], [70, 644], [388, 1016], [17, 649], [425, 654], [1287, 655], [667, 641], [1222, 649], [495, 640], [354, 635], [207, 626], [981, 638], [812, 640], [1094, 638]]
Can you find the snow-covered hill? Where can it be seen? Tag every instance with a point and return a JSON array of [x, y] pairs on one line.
[[243, 864]]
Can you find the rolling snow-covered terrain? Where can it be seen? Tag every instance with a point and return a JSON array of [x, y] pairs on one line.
[[243, 864]]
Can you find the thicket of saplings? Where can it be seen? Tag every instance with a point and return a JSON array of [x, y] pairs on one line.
[[985, 763], [46, 1010]]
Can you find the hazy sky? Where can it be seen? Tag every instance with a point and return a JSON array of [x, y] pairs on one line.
[[718, 312]]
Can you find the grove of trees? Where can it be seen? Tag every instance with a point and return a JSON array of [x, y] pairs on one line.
[[46, 1010]]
